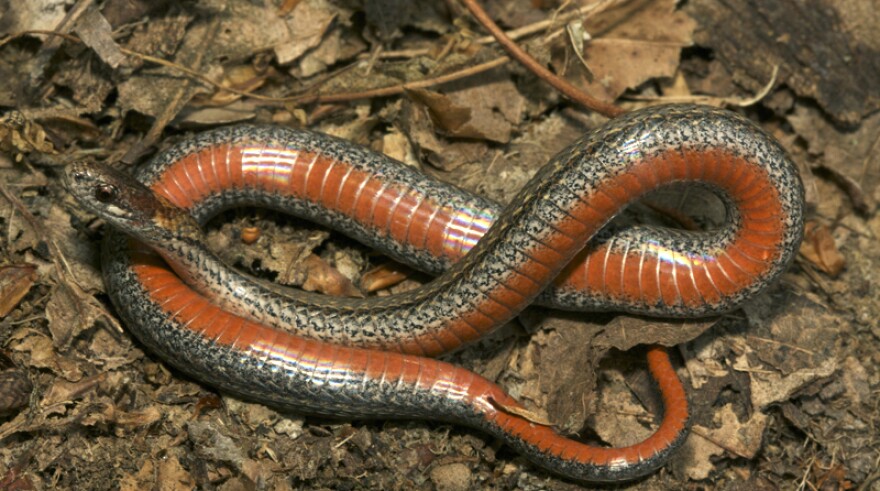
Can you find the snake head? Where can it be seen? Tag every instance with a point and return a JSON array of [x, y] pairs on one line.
[[127, 204]]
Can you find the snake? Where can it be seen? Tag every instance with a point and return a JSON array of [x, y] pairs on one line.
[[368, 358]]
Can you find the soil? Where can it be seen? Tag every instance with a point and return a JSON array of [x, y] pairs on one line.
[[785, 391]]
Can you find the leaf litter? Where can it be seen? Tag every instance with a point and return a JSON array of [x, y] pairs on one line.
[[784, 391]]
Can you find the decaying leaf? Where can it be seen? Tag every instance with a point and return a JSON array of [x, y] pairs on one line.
[[538, 417], [384, 276], [326, 279], [31, 15], [15, 282], [624, 54], [41, 354], [308, 23], [97, 33], [795, 350], [445, 115], [851, 152], [820, 249], [19, 135], [15, 390], [487, 111], [71, 311]]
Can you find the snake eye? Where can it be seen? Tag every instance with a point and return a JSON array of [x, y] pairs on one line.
[[105, 193]]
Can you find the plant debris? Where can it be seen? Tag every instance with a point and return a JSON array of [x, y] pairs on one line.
[[784, 391]]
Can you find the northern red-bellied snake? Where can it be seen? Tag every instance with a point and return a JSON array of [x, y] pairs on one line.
[[430, 225]]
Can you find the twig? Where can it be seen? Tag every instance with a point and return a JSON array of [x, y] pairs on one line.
[[514, 34], [63, 272], [48, 49], [399, 89], [298, 99], [178, 100], [556, 82], [708, 99]]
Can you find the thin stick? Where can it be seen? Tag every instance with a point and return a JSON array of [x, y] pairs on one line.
[[298, 99], [556, 82]]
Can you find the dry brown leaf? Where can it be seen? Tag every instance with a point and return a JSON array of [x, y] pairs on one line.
[[431, 147], [633, 43], [244, 28], [397, 146], [32, 15], [71, 311], [701, 455], [485, 111], [89, 83], [619, 418], [15, 391], [447, 116], [19, 135], [15, 282], [384, 276], [329, 52], [198, 117], [326, 279], [743, 439], [537, 417], [42, 354], [820, 249], [142, 479], [852, 152], [794, 350], [96, 33], [172, 476], [110, 414], [307, 23], [62, 391], [388, 18]]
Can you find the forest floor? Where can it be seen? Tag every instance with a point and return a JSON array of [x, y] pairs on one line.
[[785, 391]]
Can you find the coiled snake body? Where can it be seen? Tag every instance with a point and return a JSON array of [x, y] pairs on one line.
[[357, 357]]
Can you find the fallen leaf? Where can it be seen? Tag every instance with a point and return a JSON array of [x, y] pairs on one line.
[[42, 354], [71, 311], [244, 28], [384, 276], [15, 391], [62, 391], [397, 146], [821, 250], [631, 44], [388, 18], [97, 33], [322, 277], [431, 147], [743, 439], [172, 476], [32, 15], [446, 116], [620, 418], [848, 151], [768, 388], [198, 117], [15, 282], [19, 135], [307, 24], [536, 417], [486, 111], [699, 465]]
